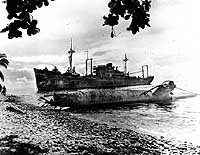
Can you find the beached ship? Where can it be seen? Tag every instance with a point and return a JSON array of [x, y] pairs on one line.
[[101, 76]]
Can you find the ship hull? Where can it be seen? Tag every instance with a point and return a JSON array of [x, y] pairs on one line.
[[48, 82]]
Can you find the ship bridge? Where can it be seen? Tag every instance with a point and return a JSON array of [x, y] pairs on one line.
[[107, 70]]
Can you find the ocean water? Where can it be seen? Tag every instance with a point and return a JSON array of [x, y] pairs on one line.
[[178, 120]]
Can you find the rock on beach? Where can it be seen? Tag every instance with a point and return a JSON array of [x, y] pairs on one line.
[[50, 132]]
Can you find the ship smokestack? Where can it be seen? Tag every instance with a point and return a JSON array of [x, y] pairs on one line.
[[86, 63], [70, 52]]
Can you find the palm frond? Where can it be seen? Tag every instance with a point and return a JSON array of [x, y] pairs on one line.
[[1, 76], [4, 65], [0, 87], [2, 55], [4, 60]]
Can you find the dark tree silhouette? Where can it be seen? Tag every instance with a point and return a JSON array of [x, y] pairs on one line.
[[4, 63], [19, 12], [135, 10]]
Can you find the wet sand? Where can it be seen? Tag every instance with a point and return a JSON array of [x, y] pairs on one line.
[[34, 130]]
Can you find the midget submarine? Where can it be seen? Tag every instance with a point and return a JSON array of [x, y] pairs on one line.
[[109, 97]]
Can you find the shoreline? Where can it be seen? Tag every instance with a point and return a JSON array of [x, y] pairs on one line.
[[46, 131]]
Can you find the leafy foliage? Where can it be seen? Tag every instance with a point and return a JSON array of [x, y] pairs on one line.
[[20, 11], [135, 10], [4, 63]]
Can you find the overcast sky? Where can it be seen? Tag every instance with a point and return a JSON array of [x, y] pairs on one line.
[[170, 46]]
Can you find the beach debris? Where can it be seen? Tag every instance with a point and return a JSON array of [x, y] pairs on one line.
[[10, 98], [44, 102], [15, 109]]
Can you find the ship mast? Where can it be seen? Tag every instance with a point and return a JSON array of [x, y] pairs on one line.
[[125, 64], [70, 52]]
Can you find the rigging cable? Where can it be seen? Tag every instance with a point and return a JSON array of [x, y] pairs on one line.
[[187, 91]]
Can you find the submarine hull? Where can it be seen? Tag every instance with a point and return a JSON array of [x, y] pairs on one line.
[[111, 96]]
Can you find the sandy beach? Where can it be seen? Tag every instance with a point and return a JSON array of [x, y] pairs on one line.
[[36, 130]]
